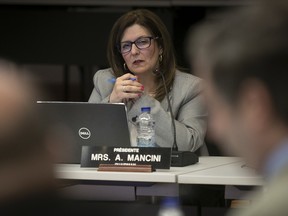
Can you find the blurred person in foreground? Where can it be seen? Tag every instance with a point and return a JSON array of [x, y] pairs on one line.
[[27, 184], [244, 59]]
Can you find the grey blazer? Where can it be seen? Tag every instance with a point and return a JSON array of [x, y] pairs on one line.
[[187, 106]]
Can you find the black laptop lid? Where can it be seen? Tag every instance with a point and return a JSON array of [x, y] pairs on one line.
[[72, 125]]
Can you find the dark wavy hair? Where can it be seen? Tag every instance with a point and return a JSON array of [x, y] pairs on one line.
[[152, 23]]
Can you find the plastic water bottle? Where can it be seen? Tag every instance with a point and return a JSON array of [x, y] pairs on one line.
[[146, 129], [170, 207]]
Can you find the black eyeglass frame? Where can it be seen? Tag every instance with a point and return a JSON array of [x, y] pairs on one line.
[[135, 42]]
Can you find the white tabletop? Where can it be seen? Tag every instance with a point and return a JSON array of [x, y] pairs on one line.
[[229, 174], [75, 172]]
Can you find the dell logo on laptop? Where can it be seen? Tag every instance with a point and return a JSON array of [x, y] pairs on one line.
[[84, 133]]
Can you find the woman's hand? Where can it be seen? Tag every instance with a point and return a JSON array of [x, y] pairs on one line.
[[126, 87]]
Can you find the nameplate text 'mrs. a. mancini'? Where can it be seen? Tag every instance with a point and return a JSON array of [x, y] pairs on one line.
[[93, 156]]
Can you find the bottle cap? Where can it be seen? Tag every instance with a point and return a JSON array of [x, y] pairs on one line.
[[145, 109], [171, 202]]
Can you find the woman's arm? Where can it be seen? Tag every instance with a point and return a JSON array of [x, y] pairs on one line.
[[102, 88], [122, 89], [190, 121], [190, 113]]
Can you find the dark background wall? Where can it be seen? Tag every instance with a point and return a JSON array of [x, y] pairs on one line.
[[64, 45]]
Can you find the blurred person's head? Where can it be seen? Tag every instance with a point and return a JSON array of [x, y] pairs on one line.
[[25, 167], [140, 43], [244, 58]]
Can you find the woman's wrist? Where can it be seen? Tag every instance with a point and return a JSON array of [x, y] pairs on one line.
[[110, 100], [113, 100]]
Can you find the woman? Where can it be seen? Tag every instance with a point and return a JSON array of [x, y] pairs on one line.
[[139, 50]]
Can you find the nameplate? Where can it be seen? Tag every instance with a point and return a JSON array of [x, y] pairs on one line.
[[158, 158]]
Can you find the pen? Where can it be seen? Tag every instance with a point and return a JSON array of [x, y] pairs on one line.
[[113, 80]]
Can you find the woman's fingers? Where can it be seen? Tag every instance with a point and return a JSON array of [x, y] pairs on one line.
[[126, 87], [131, 83], [132, 89], [127, 76]]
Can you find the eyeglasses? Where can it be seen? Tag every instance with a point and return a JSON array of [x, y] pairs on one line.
[[140, 43]]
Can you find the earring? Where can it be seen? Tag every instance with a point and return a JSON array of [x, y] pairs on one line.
[[160, 58], [125, 67], [156, 72]]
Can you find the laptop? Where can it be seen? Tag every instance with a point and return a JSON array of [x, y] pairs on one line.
[[71, 125]]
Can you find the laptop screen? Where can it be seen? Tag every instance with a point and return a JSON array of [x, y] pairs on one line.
[[74, 124]]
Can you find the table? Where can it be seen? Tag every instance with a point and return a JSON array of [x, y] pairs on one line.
[[130, 185], [228, 174], [75, 172]]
